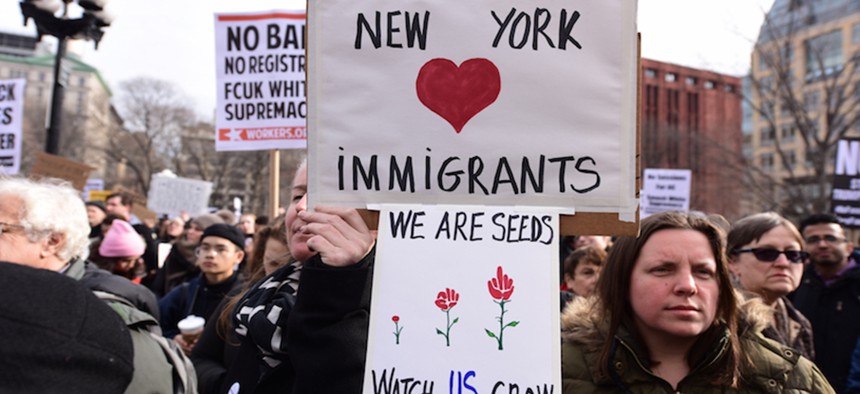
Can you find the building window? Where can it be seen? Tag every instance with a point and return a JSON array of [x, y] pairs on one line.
[[729, 88], [855, 33], [811, 100], [650, 73], [788, 133], [41, 76], [790, 160], [40, 92], [691, 81], [767, 136], [766, 162], [671, 77], [80, 103], [82, 81], [823, 55]]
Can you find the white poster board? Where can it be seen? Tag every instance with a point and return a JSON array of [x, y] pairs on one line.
[[443, 276], [11, 119], [665, 190], [97, 184], [473, 102], [173, 196], [260, 72]]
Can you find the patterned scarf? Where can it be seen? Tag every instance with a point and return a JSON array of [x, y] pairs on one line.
[[261, 315]]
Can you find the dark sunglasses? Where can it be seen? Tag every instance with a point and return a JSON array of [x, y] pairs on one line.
[[770, 255]]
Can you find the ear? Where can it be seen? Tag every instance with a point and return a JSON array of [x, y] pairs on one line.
[[240, 254], [52, 244], [734, 265]]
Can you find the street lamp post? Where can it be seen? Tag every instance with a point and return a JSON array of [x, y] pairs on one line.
[[88, 26]]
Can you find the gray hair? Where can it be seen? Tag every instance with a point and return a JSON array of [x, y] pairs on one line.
[[51, 206]]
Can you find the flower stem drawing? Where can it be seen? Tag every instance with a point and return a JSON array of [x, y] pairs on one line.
[[446, 300], [397, 328], [501, 288]]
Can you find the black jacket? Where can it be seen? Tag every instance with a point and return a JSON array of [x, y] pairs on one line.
[[834, 312]]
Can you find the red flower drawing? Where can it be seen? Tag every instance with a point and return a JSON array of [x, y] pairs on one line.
[[397, 328], [501, 287], [446, 300]]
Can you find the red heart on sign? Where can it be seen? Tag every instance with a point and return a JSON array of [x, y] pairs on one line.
[[458, 93]]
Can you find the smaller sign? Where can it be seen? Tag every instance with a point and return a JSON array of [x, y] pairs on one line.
[[92, 185], [260, 71], [845, 198], [173, 196], [665, 190], [99, 195], [50, 166], [11, 115]]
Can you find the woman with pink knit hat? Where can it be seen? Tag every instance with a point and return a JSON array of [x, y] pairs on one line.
[[120, 251]]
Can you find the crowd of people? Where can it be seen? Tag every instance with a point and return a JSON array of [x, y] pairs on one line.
[[692, 304]]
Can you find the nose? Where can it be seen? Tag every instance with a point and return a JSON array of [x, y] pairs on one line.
[[303, 204], [685, 283], [781, 261]]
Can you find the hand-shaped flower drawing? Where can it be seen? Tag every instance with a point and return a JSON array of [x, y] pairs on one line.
[[501, 288], [446, 300]]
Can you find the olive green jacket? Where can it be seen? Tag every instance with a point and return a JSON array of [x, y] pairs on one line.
[[773, 368]]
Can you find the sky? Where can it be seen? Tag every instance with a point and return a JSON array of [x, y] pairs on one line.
[[174, 40]]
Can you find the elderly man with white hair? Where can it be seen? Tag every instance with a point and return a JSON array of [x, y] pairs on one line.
[[43, 224]]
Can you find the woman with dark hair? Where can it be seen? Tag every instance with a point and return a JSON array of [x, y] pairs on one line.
[[766, 257], [666, 320]]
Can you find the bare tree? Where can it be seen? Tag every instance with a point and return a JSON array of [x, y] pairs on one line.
[[804, 106], [154, 113]]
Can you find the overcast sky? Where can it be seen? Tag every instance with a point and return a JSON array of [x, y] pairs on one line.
[[174, 40]]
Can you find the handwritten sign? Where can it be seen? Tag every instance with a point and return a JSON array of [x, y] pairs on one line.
[[51, 166], [665, 190], [172, 196], [845, 198], [464, 298], [11, 113], [260, 70], [478, 102]]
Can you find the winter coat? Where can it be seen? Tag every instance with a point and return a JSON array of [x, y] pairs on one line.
[[193, 298], [773, 368], [96, 278], [834, 312]]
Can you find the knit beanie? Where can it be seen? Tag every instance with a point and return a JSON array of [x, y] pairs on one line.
[[98, 204], [206, 220], [227, 216], [122, 241], [226, 231], [58, 337]]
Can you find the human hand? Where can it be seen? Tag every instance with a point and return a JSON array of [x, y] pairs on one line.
[[186, 346], [339, 235]]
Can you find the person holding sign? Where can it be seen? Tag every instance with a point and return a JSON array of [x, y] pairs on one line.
[[766, 256], [326, 327], [666, 320]]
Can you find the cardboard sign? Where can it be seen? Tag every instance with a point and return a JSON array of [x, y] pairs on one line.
[[50, 166], [11, 115], [464, 298], [99, 195], [479, 102], [845, 197], [173, 196], [260, 71], [665, 190]]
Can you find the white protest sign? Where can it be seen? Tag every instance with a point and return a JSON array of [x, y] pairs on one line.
[[11, 119], [665, 190], [91, 185], [464, 297], [473, 102], [260, 71], [172, 196]]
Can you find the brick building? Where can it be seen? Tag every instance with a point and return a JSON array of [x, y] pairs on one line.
[[691, 119]]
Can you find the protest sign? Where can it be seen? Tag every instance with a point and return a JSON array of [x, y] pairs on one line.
[[50, 166], [665, 190], [92, 185], [11, 119], [845, 198], [172, 196], [480, 102], [260, 71], [464, 297], [99, 195]]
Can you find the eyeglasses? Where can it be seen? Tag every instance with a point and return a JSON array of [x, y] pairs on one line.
[[206, 249], [831, 239], [5, 226], [770, 255]]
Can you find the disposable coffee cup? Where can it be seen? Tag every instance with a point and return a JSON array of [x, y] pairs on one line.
[[191, 327]]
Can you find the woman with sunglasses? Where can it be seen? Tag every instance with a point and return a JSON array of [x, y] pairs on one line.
[[766, 257]]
